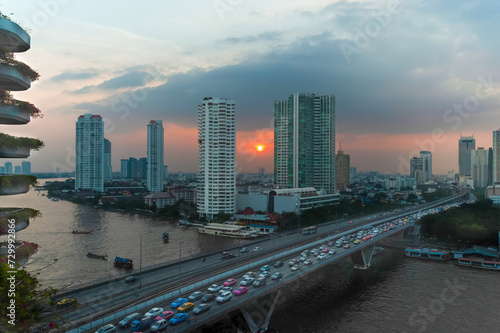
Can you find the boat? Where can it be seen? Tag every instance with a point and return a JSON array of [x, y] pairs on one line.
[[97, 256], [55, 199], [165, 237], [228, 230], [184, 222], [80, 232], [426, 253], [479, 263], [123, 262]]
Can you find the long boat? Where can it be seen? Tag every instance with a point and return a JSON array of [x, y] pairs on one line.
[[426, 253], [80, 232], [228, 230], [97, 256], [479, 263], [123, 262]]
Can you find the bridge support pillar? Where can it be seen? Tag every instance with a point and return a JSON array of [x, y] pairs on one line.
[[257, 319], [362, 259]]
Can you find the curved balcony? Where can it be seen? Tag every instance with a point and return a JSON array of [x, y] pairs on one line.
[[21, 152], [13, 115], [16, 184], [13, 79], [13, 37], [21, 216], [19, 189]]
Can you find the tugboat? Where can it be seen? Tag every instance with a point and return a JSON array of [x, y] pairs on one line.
[[165, 237], [123, 262], [80, 232]]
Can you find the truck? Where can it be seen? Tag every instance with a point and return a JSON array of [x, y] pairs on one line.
[[142, 325]]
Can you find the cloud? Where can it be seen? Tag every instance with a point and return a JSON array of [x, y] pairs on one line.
[[265, 36], [128, 80], [72, 76]]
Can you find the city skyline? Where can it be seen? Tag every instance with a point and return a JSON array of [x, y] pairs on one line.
[[413, 99]]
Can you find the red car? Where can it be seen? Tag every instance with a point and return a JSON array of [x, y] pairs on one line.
[[347, 246], [325, 250], [241, 291], [165, 315], [230, 282]]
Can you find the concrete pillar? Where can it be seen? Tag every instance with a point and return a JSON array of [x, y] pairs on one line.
[[362, 259]]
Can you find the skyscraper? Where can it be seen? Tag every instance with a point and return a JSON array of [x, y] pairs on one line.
[[26, 167], [17, 169], [217, 157], [125, 171], [304, 142], [417, 170], [90, 153], [108, 171], [496, 156], [143, 168], [342, 170], [155, 156], [490, 166], [479, 167], [7, 168], [465, 145], [427, 164]]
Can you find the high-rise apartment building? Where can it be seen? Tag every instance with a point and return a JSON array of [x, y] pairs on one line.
[[108, 170], [427, 164], [90, 153], [155, 156], [7, 168], [479, 167], [216, 191], [417, 170], [125, 168], [496, 156], [26, 167], [490, 166], [17, 170], [466, 144], [143, 168], [342, 170], [304, 142]]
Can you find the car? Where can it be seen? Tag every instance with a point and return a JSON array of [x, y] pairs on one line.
[[292, 262], [197, 295], [314, 251], [241, 291], [208, 298], [247, 281], [224, 289], [201, 308], [244, 249], [107, 329], [214, 288], [125, 322], [347, 246], [227, 255], [277, 276], [302, 259], [278, 264], [255, 249], [224, 297], [131, 279], [152, 313], [265, 274], [321, 256], [185, 307], [230, 282], [308, 262], [159, 325], [165, 315], [178, 318], [321, 247], [259, 282], [265, 268], [357, 241], [332, 251], [325, 250], [295, 268], [178, 302], [66, 301], [249, 274]]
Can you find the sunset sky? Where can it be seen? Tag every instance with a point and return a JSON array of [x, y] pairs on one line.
[[407, 76]]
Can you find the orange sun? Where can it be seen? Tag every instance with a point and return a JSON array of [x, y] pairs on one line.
[[260, 148]]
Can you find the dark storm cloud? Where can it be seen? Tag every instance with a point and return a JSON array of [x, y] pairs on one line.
[[128, 80], [400, 80], [72, 76]]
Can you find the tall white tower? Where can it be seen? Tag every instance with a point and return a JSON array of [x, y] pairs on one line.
[[217, 157], [90, 153], [155, 156]]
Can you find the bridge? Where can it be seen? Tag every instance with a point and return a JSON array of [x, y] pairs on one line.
[[111, 302]]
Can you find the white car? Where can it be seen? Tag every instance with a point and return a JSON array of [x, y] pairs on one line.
[[214, 288], [159, 325], [247, 281], [265, 274], [295, 268], [153, 313], [255, 249], [308, 262], [224, 289], [224, 297], [106, 329], [322, 256], [332, 251]]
